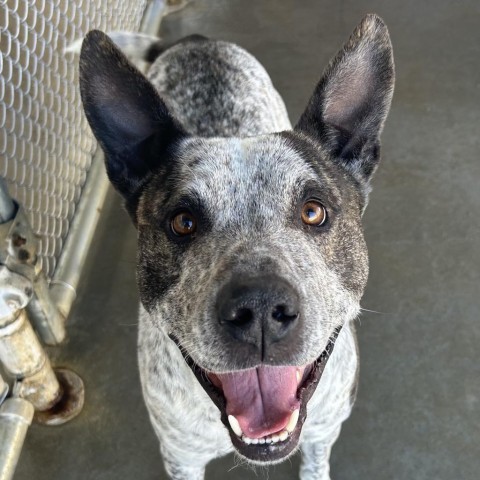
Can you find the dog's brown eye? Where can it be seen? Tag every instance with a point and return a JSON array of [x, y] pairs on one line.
[[314, 213], [184, 223]]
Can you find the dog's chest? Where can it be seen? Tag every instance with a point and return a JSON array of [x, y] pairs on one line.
[[180, 410]]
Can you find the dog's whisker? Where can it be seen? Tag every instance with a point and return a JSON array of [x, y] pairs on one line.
[[373, 311]]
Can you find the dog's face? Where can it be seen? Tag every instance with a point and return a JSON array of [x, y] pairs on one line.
[[245, 204], [251, 253]]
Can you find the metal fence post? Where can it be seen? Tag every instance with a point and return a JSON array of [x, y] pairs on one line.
[[3, 390], [7, 207], [15, 417]]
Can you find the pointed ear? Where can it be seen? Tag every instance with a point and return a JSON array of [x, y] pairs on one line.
[[126, 114], [350, 103]]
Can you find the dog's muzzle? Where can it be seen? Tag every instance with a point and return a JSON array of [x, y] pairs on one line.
[[263, 397]]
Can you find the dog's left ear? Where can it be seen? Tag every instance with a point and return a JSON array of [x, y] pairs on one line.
[[350, 103], [126, 114]]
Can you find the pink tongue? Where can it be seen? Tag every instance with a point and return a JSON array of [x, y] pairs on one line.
[[261, 399]]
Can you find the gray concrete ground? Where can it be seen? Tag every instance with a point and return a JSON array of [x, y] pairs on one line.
[[418, 410]]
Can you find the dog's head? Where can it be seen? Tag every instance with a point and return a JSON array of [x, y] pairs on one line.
[[251, 252]]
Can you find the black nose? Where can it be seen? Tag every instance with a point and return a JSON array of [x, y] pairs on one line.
[[258, 310]]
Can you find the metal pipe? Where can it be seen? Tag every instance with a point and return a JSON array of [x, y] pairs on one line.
[[7, 207], [24, 358], [3, 390], [46, 317], [153, 16], [67, 273], [56, 395], [15, 417]]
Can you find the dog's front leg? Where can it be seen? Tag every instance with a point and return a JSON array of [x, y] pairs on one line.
[[178, 470], [184, 456], [185, 420], [316, 459]]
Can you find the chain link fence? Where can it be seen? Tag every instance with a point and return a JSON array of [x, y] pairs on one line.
[[49, 164], [46, 146]]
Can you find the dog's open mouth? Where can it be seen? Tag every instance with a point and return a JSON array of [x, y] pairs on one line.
[[264, 408]]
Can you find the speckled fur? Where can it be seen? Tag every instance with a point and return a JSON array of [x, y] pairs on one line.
[[227, 162]]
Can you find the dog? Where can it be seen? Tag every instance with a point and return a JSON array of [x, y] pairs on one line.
[[251, 255]]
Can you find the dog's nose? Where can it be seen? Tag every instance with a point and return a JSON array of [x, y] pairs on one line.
[[259, 310]]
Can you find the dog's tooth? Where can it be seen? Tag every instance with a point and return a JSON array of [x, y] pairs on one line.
[[268, 439], [247, 440], [275, 438], [254, 441], [283, 435], [292, 423], [235, 425], [261, 440]]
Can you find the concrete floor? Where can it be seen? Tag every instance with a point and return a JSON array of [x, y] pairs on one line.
[[418, 410]]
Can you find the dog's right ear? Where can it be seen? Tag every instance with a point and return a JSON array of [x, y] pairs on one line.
[[348, 108], [126, 114]]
